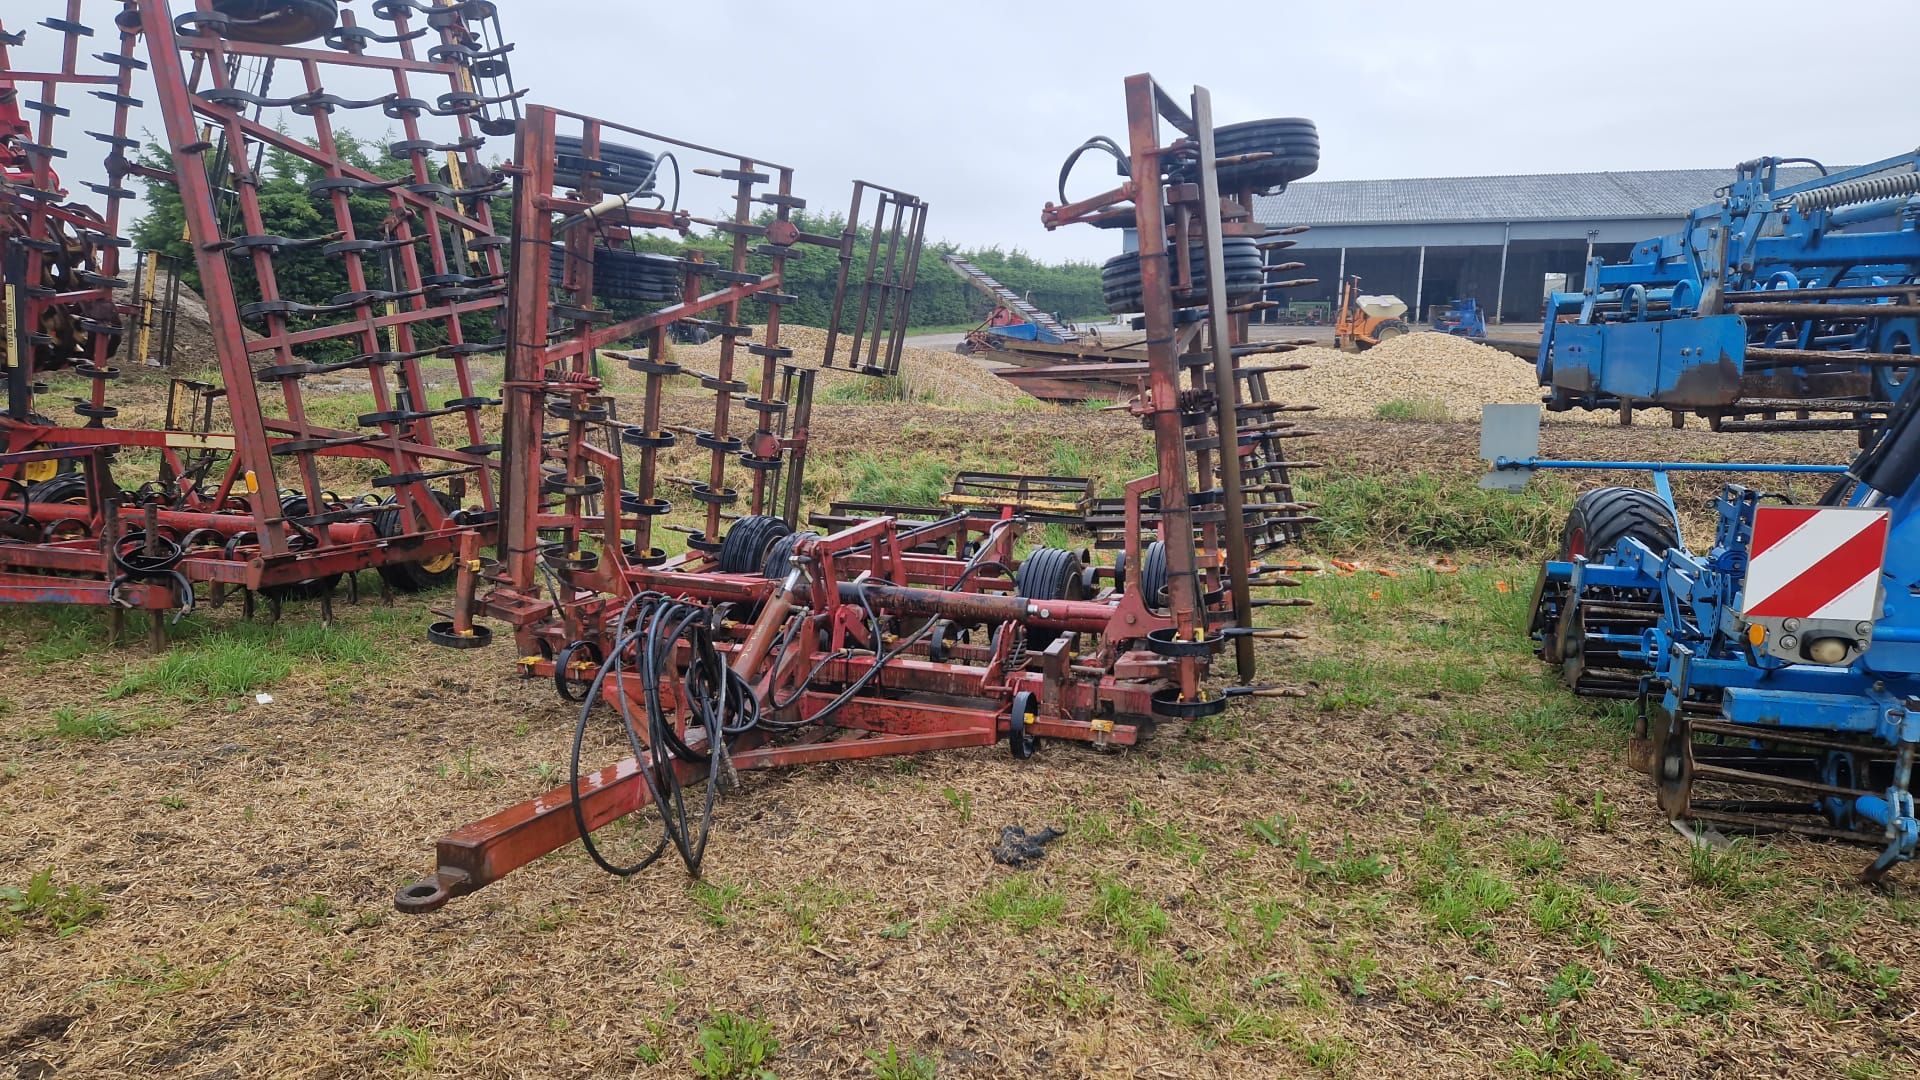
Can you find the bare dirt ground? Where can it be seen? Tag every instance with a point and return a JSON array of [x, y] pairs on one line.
[[1433, 864]]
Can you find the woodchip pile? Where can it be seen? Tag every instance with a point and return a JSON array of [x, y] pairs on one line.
[[1421, 367], [942, 378]]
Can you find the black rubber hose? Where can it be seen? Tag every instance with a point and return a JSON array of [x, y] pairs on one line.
[[1098, 142]]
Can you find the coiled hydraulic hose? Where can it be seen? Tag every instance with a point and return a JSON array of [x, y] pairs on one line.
[[715, 698]]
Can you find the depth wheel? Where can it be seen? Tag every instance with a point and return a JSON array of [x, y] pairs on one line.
[[1603, 517], [1025, 710], [427, 573], [744, 549], [1048, 574]]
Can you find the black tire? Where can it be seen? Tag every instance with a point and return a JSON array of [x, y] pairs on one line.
[[1019, 742], [780, 556], [1388, 330], [744, 549], [65, 488], [277, 22], [1244, 265], [1153, 576], [1603, 517], [617, 168], [1294, 142], [619, 274], [1048, 574], [416, 576]]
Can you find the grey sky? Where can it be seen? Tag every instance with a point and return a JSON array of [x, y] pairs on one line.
[[973, 105]]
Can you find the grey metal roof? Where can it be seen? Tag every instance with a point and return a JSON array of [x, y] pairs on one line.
[[1655, 193]]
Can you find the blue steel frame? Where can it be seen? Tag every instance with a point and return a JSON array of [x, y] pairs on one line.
[[1652, 330], [1699, 641]]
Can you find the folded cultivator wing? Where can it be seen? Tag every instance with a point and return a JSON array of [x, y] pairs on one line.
[[765, 645], [396, 289]]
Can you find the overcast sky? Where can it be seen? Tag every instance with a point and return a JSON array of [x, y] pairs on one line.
[[973, 105]]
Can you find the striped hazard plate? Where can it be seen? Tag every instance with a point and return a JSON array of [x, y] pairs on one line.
[[1812, 562]]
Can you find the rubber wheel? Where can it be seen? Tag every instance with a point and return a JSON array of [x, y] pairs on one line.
[[780, 556], [615, 163], [626, 275], [416, 576], [744, 549], [1603, 517], [278, 22], [1048, 574], [1024, 710], [1294, 142], [1153, 576], [1241, 259], [1389, 330], [65, 488]]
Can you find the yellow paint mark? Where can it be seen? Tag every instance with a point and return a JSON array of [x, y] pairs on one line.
[[150, 271], [12, 298], [193, 440]]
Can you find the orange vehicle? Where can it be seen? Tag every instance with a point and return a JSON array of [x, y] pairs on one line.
[[1362, 322]]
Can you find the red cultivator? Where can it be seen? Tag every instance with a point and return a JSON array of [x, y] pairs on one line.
[[765, 646], [415, 251]]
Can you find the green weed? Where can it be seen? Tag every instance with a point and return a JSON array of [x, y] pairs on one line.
[[63, 908], [415, 1050], [1020, 903], [734, 1047], [1570, 984], [1690, 996], [961, 801], [894, 1063], [1562, 1051], [715, 900], [1460, 901], [1127, 914], [1536, 854], [1738, 869]]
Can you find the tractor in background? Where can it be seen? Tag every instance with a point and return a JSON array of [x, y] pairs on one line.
[[1365, 321]]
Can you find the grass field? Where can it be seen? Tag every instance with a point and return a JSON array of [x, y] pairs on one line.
[[1434, 862]]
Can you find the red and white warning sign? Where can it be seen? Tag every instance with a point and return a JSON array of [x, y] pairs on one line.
[[1812, 562]]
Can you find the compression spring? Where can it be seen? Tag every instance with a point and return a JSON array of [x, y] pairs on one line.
[[1865, 189]]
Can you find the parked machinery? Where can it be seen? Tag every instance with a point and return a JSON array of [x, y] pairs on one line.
[[1361, 322], [765, 646], [1800, 298], [1013, 319], [236, 489], [1461, 318], [1776, 669]]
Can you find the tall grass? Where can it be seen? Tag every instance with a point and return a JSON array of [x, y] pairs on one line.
[[1426, 512]]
